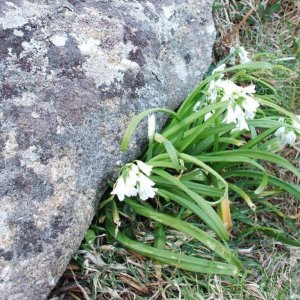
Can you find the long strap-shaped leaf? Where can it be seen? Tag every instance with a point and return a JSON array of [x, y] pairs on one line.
[[193, 117], [262, 155], [210, 217], [187, 228], [182, 261], [233, 158], [288, 187], [201, 189]]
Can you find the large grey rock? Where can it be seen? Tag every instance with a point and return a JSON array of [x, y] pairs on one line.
[[73, 74]]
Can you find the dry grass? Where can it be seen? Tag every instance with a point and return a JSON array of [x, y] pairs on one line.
[[257, 25]]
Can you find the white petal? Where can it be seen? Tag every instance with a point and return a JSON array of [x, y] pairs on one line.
[[291, 137], [230, 116], [131, 177], [146, 169], [119, 189], [243, 54], [250, 106], [241, 121], [242, 124], [220, 68], [145, 187], [250, 89], [280, 131], [130, 191]]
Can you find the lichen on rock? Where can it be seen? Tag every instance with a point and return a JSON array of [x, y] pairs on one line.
[[72, 75]]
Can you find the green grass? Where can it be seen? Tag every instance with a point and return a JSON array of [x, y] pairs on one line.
[[123, 275]]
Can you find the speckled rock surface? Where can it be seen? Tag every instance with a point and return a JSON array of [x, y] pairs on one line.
[[72, 75]]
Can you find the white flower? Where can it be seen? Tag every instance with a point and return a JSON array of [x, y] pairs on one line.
[[242, 106], [296, 124], [241, 121], [146, 169], [236, 115], [151, 126], [131, 176], [285, 136], [243, 55], [121, 189], [220, 68], [212, 91], [145, 187], [250, 106], [230, 116], [133, 181]]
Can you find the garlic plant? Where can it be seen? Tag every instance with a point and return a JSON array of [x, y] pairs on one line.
[[211, 152]]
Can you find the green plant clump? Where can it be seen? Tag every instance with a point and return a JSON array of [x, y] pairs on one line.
[[220, 147]]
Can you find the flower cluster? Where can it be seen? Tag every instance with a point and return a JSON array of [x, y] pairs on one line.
[[242, 105], [134, 181], [286, 135]]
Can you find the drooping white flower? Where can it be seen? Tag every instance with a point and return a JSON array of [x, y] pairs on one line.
[[243, 55], [146, 169], [250, 106], [241, 120], [240, 53], [220, 68], [145, 187], [285, 136], [133, 180], [236, 115], [296, 124], [121, 189], [242, 106], [131, 176]]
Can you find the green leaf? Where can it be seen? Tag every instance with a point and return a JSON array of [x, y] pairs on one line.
[[169, 148], [184, 123], [288, 187], [262, 155], [187, 228], [182, 261], [250, 66], [243, 195], [233, 158], [278, 235], [210, 217], [90, 236]]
